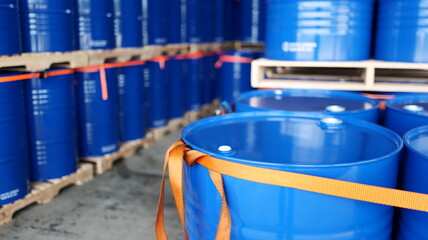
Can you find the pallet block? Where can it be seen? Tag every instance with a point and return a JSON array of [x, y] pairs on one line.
[[44, 192], [368, 75], [175, 49], [103, 163], [252, 46], [176, 124]]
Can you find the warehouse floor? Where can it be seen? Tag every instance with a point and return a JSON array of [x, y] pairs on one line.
[[118, 205]]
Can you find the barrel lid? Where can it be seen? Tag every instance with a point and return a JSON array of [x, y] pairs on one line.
[[279, 140], [413, 104], [417, 141], [332, 102]]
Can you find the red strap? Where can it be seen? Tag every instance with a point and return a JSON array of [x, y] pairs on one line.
[[27, 76], [232, 59], [161, 60], [103, 82], [196, 55]]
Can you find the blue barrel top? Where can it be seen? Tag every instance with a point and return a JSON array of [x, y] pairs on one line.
[[13, 138], [52, 127], [349, 150], [413, 224], [337, 103], [406, 112], [10, 27], [48, 25], [313, 30], [402, 23]]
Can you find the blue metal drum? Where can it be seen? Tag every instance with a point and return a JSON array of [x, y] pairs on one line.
[[229, 20], [406, 112], [314, 30], [176, 21], [206, 79], [218, 20], [97, 102], [128, 23], [336, 103], [13, 153], [253, 21], [348, 150], [234, 70], [402, 31], [192, 97], [9, 26], [175, 84], [131, 101], [154, 22], [51, 120], [194, 25], [48, 25], [96, 24], [413, 224], [207, 20], [155, 77]]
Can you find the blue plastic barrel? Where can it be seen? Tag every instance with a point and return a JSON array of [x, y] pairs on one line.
[[402, 31], [234, 70], [9, 26], [335, 103], [155, 77], [413, 224], [313, 30], [51, 121], [348, 150], [48, 25], [406, 112], [194, 25], [128, 23], [176, 21], [154, 22], [253, 21], [97, 102], [195, 66], [95, 22], [131, 101], [176, 75], [13, 153]]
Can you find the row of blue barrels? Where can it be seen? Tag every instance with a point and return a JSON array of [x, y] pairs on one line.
[[49, 119], [61, 26], [309, 30], [315, 132]]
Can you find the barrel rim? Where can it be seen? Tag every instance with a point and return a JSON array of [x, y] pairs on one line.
[[325, 93], [410, 135], [394, 137], [403, 99]]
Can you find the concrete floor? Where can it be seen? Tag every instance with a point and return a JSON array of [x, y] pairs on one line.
[[118, 205]]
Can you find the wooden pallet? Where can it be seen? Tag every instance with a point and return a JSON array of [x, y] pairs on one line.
[[96, 57], [354, 76], [44, 192], [205, 47], [175, 49], [128, 149], [103, 163], [251, 46]]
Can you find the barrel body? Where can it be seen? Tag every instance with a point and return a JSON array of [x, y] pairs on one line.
[[195, 66], [128, 23], [155, 77], [10, 27], [310, 30], [13, 153], [154, 22], [97, 102], [176, 88], [253, 21]]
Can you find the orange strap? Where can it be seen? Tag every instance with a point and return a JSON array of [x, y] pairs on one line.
[[27, 76], [232, 59], [161, 60], [356, 191], [195, 55]]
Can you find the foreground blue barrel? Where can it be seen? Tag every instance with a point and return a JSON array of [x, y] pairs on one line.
[[154, 22], [97, 102], [52, 128], [9, 26], [175, 84], [336, 103], [253, 21], [312, 30], [195, 66], [402, 23], [406, 112], [131, 101], [413, 224], [348, 150], [234, 70], [128, 23], [96, 24], [48, 25], [13, 153], [155, 77]]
